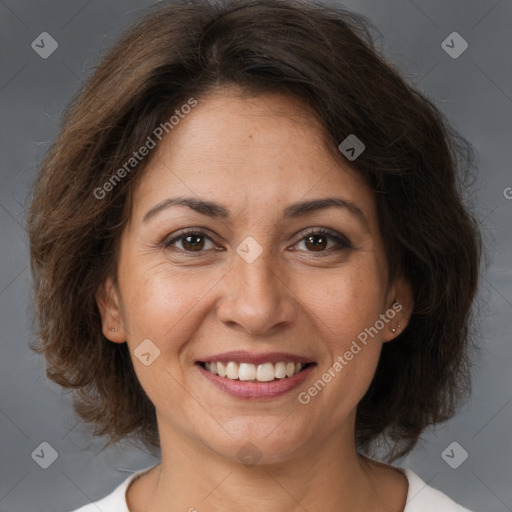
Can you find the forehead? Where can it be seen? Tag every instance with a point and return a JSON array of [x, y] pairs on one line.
[[260, 152]]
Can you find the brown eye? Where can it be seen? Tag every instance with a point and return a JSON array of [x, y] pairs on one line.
[[192, 241], [316, 242]]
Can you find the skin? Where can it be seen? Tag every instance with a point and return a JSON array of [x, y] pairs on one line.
[[262, 154]]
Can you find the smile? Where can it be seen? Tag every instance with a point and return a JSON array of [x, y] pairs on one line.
[[250, 376], [248, 372]]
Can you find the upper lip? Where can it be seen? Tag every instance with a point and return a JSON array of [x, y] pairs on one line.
[[241, 356]]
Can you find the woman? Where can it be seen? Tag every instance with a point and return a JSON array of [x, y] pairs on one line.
[[250, 253]]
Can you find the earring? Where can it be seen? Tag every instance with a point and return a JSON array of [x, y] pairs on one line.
[[113, 329], [393, 329]]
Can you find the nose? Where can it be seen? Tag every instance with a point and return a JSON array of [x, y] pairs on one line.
[[256, 298]]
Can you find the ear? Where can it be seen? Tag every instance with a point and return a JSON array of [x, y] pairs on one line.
[[399, 307], [107, 299]]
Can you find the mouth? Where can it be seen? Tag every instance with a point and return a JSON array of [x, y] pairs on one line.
[[248, 372], [255, 376]]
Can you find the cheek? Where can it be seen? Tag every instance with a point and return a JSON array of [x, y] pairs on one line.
[[344, 302], [167, 308], [159, 302], [345, 307]]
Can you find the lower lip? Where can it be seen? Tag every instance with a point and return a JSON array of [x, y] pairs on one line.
[[257, 390]]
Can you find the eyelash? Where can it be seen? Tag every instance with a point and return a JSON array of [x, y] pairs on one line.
[[342, 241]]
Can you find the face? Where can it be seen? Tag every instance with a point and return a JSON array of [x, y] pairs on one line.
[[256, 263]]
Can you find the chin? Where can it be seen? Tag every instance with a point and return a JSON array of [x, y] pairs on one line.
[[261, 441]]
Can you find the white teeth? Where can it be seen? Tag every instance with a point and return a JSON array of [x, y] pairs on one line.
[[246, 371], [232, 370], [265, 372], [280, 370], [221, 369]]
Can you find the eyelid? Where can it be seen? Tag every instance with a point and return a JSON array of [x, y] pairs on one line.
[[182, 233], [341, 239]]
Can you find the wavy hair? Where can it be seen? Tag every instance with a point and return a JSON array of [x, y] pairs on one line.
[[326, 56]]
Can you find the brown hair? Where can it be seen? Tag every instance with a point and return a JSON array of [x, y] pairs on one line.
[[327, 57]]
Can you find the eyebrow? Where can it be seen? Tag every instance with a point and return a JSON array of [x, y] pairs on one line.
[[293, 211]]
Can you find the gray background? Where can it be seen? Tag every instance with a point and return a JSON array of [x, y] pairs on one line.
[[474, 90]]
